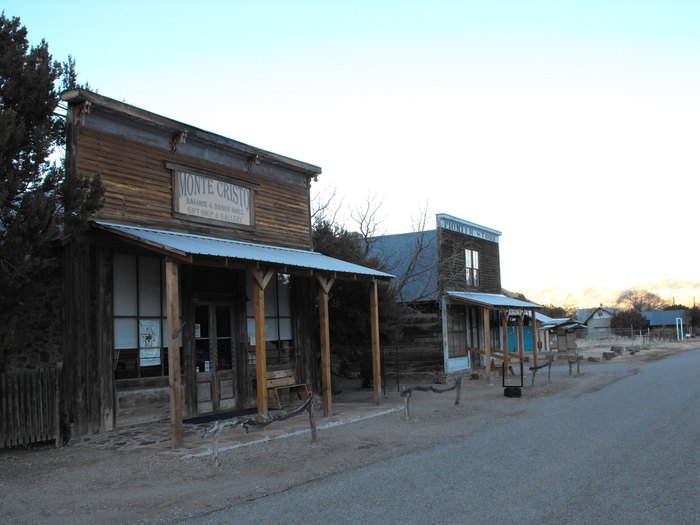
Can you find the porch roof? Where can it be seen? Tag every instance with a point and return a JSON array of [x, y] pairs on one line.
[[493, 300], [181, 244]]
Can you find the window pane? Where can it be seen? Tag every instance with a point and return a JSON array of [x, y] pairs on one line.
[[124, 284], [149, 286], [271, 299], [125, 333], [468, 258], [283, 295], [475, 259], [251, 331], [476, 277], [271, 329], [286, 329]]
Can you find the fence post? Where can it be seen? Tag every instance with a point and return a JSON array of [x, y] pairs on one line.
[[57, 408]]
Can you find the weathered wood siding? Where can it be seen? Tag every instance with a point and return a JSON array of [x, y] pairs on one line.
[[87, 339], [452, 276], [138, 190]]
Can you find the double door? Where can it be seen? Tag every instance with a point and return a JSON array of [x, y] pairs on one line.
[[215, 356]]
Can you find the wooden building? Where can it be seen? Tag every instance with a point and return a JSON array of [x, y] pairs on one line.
[[197, 277], [449, 279]]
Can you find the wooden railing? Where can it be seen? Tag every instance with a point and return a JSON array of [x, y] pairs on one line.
[[30, 406]]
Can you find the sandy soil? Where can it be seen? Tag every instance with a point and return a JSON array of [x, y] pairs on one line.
[[91, 485]]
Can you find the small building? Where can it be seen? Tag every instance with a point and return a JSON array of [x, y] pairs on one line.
[[597, 321], [557, 334], [195, 279], [449, 282], [666, 323]]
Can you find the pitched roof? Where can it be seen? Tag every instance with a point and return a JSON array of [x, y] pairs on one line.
[[412, 258], [665, 317]]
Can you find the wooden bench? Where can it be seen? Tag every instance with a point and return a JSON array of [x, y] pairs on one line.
[[281, 379]]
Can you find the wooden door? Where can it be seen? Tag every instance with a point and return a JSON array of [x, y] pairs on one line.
[[214, 357]]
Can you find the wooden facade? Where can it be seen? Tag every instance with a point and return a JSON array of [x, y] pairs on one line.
[[459, 317], [155, 328]]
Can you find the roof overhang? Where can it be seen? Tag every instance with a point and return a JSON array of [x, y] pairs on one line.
[[491, 300], [188, 247]]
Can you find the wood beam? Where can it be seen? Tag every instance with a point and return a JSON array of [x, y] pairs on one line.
[[504, 338], [173, 302], [325, 348], [487, 340], [376, 355], [521, 340], [261, 280], [534, 337]]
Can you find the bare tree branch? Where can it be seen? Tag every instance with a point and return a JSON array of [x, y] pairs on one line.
[[367, 220], [324, 206]]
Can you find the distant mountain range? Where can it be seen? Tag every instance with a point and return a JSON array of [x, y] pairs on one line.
[[675, 291]]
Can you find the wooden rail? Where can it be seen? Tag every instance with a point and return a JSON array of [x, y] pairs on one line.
[[30, 407]]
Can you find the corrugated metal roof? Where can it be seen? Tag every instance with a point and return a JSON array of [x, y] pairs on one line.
[[665, 317], [398, 252], [491, 299], [190, 244]]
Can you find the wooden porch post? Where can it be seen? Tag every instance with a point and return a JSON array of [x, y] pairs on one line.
[[504, 342], [324, 289], [534, 337], [487, 340], [376, 361], [261, 280], [173, 300], [521, 339]]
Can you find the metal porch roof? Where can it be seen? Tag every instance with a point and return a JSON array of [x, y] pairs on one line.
[[185, 244], [491, 299]]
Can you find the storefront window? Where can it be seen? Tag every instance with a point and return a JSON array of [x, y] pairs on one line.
[[278, 318], [139, 317], [456, 331]]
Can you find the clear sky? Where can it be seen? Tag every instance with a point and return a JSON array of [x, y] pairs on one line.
[[572, 127]]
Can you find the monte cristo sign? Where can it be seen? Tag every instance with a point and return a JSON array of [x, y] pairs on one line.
[[209, 199]]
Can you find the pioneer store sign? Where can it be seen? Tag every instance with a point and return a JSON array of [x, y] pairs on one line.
[[211, 199]]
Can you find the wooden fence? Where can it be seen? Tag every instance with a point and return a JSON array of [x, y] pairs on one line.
[[30, 406]]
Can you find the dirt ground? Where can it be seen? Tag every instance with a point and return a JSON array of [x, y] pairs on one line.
[[96, 485]]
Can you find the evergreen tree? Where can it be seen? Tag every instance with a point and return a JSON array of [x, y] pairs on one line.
[[38, 200]]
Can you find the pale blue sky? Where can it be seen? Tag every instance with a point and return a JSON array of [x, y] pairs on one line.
[[572, 127]]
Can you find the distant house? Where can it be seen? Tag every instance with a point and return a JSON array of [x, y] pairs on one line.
[[449, 279], [597, 320], [667, 319]]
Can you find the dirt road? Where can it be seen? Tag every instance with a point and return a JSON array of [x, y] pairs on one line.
[[92, 485]]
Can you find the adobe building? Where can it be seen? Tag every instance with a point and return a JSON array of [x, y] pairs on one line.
[[449, 280], [197, 277]]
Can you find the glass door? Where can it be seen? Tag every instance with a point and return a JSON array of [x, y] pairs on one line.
[[214, 357]]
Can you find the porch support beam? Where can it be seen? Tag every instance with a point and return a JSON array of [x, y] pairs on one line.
[[325, 285], [173, 301], [534, 337], [376, 356], [487, 341], [504, 340], [521, 339], [261, 278]]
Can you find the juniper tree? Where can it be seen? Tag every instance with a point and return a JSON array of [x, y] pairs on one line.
[[38, 200]]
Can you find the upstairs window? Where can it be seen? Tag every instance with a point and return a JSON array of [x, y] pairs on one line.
[[472, 267]]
